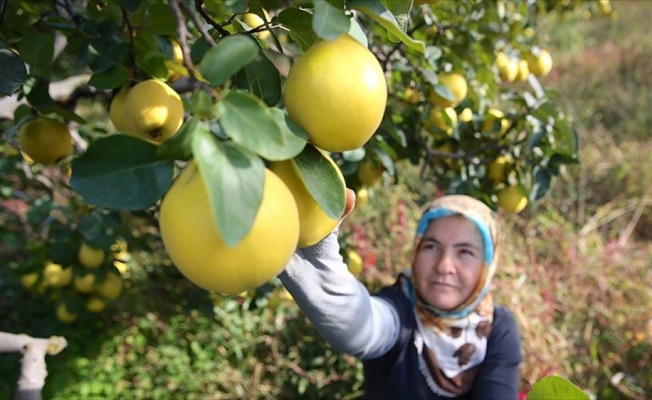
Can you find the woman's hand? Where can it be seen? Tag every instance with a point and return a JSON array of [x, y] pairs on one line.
[[350, 203]]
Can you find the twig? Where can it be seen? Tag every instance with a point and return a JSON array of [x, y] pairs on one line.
[[599, 219], [65, 4], [199, 6], [197, 22], [644, 201], [182, 34], [130, 33], [303, 373]]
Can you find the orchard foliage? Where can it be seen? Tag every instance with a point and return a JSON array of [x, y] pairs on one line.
[[234, 83], [231, 78]]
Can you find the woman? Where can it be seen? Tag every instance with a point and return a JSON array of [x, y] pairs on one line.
[[435, 333]]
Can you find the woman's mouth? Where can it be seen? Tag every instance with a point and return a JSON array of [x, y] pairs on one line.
[[442, 284]]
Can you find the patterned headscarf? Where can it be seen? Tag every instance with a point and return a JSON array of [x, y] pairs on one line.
[[455, 341]]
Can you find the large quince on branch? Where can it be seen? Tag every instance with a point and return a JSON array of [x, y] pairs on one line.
[[495, 123], [512, 199], [254, 21], [337, 92], [45, 140], [154, 110], [197, 248], [117, 114], [457, 86], [507, 67], [175, 65], [539, 62], [437, 121], [370, 172], [90, 257], [314, 223]]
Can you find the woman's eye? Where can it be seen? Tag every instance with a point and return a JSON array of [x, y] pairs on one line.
[[467, 252], [430, 246]]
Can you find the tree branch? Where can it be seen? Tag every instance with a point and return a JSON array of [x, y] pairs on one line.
[[199, 6], [33, 369], [198, 24]]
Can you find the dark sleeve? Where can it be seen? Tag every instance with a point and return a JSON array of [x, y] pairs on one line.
[[498, 377]]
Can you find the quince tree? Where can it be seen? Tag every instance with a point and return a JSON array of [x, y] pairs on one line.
[[326, 91]]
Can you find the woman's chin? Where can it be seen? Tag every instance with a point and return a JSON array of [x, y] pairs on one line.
[[444, 303]]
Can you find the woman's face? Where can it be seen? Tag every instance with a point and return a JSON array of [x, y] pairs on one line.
[[448, 262]]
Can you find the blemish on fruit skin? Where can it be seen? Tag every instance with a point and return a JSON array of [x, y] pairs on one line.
[[155, 134]]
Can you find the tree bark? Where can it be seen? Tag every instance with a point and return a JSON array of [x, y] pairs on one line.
[[33, 369]]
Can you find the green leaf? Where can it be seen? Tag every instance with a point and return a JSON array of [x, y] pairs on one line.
[[294, 137], [400, 9], [37, 50], [357, 33], [385, 160], [13, 71], [256, 8], [22, 114], [109, 79], [322, 181], [121, 172], [444, 91], [558, 159], [329, 22], [229, 56], [179, 146], [395, 132], [65, 113], [199, 49], [37, 91], [154, 64], [262, 78], [201, 104], [567, 139], [540, 132], [130, 5], [355, 155], [542, 178], [299, 23], [91, 227], [376, 11], [154, 17], [107, 49], [250, 123], [555, 388], [433, 53], [234, 180]]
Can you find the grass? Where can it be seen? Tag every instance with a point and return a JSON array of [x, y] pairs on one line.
[[575, 269]]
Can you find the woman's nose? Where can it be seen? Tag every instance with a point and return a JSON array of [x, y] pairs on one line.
[[445, 265]]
